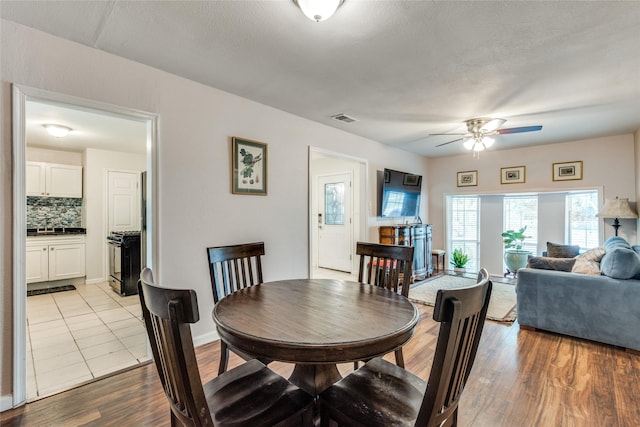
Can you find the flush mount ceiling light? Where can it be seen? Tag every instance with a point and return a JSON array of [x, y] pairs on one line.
[[318, 10], [58, 131]]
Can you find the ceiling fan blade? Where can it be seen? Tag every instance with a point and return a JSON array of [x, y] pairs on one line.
[[492, 125], [432, 134], [450, 142], [519, 130]]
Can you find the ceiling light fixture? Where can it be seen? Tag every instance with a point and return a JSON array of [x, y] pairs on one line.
[[58, 131], [318, 10], [478, 143]]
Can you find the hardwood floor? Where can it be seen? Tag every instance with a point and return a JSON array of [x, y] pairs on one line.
[[521, 377]]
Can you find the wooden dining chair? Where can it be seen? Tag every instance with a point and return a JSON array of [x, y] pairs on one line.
[[383, 394], [248, 395], [233, 268], [389, 267]]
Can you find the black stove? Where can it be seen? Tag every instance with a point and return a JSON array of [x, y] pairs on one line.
[[121, 236], [124, 261]]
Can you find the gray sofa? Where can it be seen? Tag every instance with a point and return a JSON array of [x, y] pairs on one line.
[[603, 305], [597, 308]]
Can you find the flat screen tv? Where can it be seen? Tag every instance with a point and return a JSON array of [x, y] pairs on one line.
[[400, 195]]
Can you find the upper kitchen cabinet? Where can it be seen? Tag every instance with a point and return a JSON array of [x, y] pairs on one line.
[[53, 180]]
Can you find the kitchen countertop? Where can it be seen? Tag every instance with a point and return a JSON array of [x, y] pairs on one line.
[[57, 231]]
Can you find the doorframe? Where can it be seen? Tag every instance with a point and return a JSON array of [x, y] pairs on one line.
[[20, 96], [361, 199]]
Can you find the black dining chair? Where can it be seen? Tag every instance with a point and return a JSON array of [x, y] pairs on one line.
[[248, 395], [382, 394], [389, 267], [232, 268]]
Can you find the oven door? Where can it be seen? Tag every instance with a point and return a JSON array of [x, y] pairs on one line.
[[115, 260]]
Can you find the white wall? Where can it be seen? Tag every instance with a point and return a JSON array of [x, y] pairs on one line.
[[97, 162], [37, 154], [607, 162], [195, 126]]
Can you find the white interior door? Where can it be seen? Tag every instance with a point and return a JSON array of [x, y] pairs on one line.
[[334, 221], [124, 201]]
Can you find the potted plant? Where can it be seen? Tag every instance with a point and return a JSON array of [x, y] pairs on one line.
[[514, 256], [459, 260]]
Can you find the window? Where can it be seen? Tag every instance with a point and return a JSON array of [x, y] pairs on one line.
[[463, 230], [582, 225], [520, 211]]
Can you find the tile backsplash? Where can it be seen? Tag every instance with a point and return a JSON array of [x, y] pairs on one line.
[[53, 212]]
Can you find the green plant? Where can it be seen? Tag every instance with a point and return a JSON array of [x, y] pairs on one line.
[[459, 259], [514, 239]]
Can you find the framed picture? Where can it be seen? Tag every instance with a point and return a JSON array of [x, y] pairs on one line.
[[467, 179], [249, 167], [512, 175], [567, 171], [411, 180]]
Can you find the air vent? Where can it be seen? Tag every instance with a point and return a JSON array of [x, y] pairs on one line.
[[343, 118]]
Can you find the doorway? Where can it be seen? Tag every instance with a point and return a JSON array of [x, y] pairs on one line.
[[338, 214], [96, 288]]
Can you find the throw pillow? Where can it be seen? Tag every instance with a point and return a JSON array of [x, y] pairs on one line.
[[548, 263], [615, 242], [588, 262], [555, 250], [620, 263]]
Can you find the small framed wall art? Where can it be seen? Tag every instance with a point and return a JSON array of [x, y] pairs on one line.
[[513, 175], [468, 179], [249, 167], [567, 171]]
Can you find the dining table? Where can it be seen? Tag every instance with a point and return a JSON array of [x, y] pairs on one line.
[[315, 324]]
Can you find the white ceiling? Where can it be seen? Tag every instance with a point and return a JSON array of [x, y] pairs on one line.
[[90, 129], [404, 69]]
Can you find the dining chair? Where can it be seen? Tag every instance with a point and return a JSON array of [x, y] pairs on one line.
[[389, 267], [383, 394], [233, 268], [248, 395]]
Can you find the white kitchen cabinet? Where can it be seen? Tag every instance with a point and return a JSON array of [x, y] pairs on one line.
[[55, 258], [53, 180]]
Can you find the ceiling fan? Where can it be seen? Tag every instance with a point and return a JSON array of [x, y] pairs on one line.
[[480, 132]]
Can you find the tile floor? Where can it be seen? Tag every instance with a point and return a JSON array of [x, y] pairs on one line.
[[76, 336]]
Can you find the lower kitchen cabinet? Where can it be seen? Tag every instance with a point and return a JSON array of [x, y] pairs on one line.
[[55, 258]]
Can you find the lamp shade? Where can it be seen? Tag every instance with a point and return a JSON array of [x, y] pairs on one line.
[[318, 10], [617, 208]]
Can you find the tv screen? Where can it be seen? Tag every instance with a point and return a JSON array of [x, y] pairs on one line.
[[400, 194]]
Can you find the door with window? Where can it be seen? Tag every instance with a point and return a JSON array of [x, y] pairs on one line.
[[334, 222]]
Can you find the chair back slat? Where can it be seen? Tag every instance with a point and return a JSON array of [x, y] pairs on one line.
[[386, 266], [168, 314], [234, 267], [462, 313]]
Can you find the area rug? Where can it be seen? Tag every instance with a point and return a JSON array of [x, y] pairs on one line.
[[50, 290], [502, 306]]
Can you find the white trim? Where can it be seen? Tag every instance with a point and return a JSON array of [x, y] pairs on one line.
[[19, 250], [205, 338], [95, 281], [20, 96], [6, 402]]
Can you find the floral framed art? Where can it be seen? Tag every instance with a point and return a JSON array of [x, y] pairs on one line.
[[567, 171], [249, 167], [513, 175], [467, 179]]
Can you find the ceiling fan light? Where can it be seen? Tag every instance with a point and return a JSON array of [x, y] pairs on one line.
[[487, 141], [469, 143], [318, 10], [478, 147], [58, 131]]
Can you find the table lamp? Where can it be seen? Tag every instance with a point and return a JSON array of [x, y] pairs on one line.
[[617, 208]]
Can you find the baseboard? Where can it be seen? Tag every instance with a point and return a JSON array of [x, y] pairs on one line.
[[205, 338], [6, 402], [95, 281]]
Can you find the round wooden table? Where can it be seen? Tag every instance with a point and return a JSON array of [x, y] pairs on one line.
[[315, 323]]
